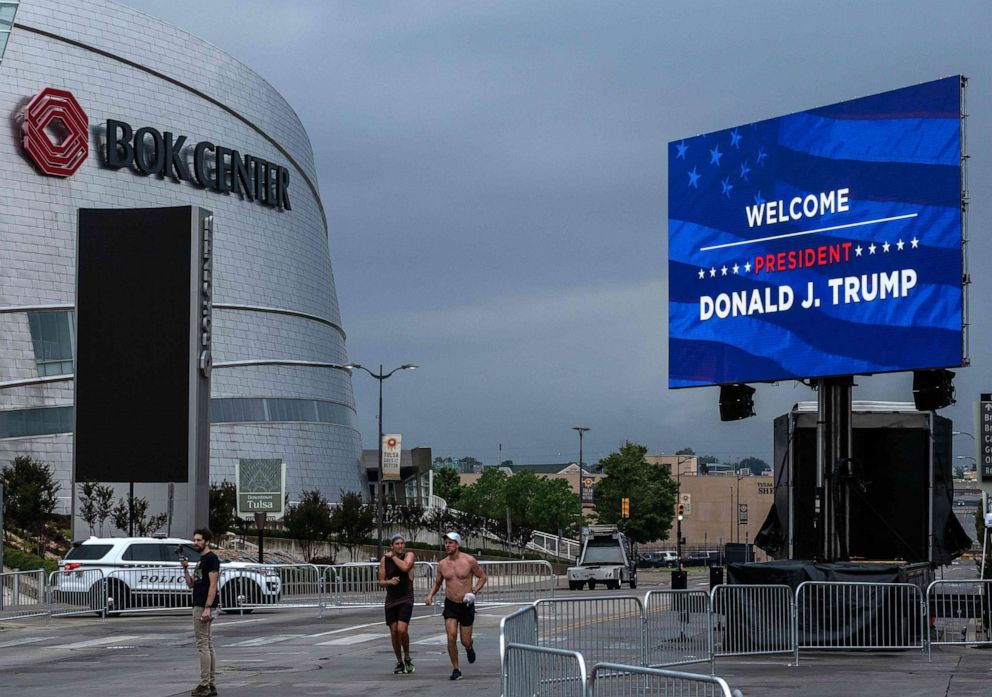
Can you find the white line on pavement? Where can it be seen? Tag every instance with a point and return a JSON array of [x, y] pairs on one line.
[[264, 640], [95, 642], [18, 642], [354, 639]]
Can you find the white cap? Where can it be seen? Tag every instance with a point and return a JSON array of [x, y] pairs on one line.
[[454, 536], [469, 598]]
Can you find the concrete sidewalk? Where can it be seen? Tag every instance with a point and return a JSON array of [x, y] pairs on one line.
[[957, 671]]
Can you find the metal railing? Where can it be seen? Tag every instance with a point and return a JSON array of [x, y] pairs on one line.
[[538, 671], [959, 612], [519, 627], [562, 547], [676, 627], [618, 680], [273, 586], [845, 616], [749, 620], [22, 594], [516, 581], [79, 592], [602, 628], [357, 585]]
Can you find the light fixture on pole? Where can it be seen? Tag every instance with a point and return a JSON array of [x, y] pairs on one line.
[[381, 377], [581, 430]]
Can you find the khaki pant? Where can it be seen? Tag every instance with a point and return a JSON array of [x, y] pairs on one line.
[[204, 647]]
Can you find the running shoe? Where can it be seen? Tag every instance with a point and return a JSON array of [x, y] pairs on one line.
[[470, 652], [456, 674], [400, 668], [408, 664]]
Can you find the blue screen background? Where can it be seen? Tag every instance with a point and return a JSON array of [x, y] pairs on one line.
[[898, 154]]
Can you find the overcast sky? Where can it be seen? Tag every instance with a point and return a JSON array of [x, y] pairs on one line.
[[495, 179]]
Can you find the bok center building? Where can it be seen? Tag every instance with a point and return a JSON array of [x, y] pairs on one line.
[[108, 108]]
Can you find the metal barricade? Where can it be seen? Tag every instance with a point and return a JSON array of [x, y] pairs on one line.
[[619, 680], [602, 628], [676, 627], [959, 612], [22, 594], [77, 592], [147, 589], [275, 586], [519, 627], [831, 615], [537, 671], [517, 581], [752, 619], [357, 585]]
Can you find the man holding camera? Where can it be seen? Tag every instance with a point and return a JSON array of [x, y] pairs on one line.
[[203, 581]]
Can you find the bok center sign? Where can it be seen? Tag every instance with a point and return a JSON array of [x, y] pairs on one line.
[[261, 487]]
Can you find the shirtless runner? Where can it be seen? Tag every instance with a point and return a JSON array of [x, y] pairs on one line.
[[457, 571]]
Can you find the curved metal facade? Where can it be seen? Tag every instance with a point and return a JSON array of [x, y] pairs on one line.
[[273, 286]]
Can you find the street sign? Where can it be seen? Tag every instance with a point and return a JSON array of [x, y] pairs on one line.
[[742, 513], [686, 501], [261, 487], [984, 444], [392, 454]]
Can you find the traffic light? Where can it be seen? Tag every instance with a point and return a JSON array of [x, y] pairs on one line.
[[681, 511], [625, 507]]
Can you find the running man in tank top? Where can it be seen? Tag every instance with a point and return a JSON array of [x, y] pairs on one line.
[[396, 569]]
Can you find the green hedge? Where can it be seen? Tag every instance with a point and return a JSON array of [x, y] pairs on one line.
[[22, 561]]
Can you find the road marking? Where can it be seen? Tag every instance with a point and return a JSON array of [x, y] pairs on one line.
[[362, 626], [228, 623], [264, 640], [95, 642], [18, 642], [439, 639], [354, 639]]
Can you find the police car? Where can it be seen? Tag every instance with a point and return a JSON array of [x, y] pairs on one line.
[[145, 573]]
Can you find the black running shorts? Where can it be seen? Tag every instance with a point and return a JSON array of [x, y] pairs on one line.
[[399, 613], [463, 612]]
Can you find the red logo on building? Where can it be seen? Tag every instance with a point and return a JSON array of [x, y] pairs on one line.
[[56, 132]]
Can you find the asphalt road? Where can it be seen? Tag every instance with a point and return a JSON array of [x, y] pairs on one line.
[[347, 652]]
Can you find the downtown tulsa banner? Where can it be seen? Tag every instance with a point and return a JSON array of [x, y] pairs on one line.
[[821, 243]]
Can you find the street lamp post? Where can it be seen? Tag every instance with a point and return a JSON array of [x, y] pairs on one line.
[[581, 430], [381, 377]]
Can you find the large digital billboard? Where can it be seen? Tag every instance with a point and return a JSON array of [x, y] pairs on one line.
[[821, 243]]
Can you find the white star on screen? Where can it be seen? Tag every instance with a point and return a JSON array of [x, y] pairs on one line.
[[747, 267], [736, 269], [900, 244], [871, 248], [857, 251], [723, 271], [915, 242], [702, 274], [885, 246], [712, 272]]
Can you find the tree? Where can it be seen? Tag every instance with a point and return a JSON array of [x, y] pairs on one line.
[[506, 463], [353, 520], [135, 510], [685, 451], [448, 486], [30, 496], [439, 521], [487, 496], [704, 463], [650, 488], [309, 521], [95, 504], [555, 507], [411, 518], [223, 507], [755, 464]]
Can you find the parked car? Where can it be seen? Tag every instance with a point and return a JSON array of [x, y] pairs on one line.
[[146, 573], [708, 558]]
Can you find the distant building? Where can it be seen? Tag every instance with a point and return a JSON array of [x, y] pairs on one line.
[[416, 477]]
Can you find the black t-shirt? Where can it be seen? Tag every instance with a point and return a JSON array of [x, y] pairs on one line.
[[201, 579], [402, 592]]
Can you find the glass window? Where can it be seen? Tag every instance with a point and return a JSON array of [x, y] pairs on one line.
[[291, 410], [7, 12], [242, 410], [172, 553], [19, 423], [143, 551], [87, 552], [52, 336]]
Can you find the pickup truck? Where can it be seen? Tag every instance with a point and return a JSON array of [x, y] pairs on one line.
[[606, 558]]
